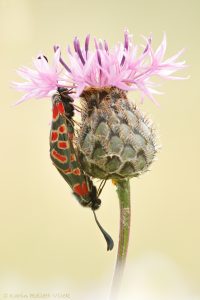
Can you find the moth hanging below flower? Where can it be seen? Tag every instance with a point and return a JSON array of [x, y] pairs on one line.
[[64, 157], [115, 141]]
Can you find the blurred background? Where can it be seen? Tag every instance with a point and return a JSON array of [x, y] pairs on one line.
[[47, 239]]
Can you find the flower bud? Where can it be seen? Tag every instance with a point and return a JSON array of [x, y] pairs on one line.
[[115, 139]]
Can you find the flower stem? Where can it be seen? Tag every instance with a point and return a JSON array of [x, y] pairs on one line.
[[123, 191]]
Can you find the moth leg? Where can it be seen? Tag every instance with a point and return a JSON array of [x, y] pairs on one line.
[[101, 186]]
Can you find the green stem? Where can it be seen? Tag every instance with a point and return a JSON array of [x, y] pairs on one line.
[[123, 191]]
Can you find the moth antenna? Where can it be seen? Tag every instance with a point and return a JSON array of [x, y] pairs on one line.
[[109, 241]]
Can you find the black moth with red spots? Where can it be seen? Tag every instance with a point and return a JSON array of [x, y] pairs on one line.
[[64, 156]]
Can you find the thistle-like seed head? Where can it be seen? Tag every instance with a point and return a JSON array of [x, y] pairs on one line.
[[115, 139]]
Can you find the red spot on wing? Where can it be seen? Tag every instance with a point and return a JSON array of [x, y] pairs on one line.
[[63, 145], [62, 129], [77, 172], [72, 157], [77, 188], [61, 108], [58, 156], [80, 189], [67, 171], [55, 112], [54, 136], [85, 188]]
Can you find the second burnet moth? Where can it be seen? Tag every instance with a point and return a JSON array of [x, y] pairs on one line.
[[64, 156]]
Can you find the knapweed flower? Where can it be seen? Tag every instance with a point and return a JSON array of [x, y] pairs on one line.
[[122, 66], [115, 140]]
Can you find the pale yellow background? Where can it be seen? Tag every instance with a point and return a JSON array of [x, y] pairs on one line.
[[45, 235]]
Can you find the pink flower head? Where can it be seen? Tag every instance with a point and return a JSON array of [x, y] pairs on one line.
[[120, 66], [42, 80]]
